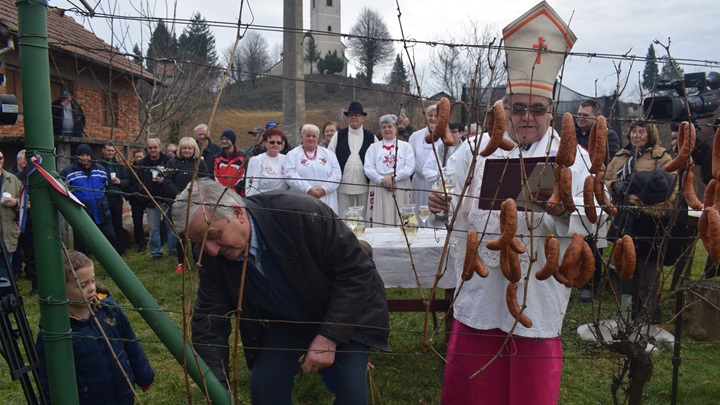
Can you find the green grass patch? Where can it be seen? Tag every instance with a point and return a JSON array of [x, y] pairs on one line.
[[412, 373]]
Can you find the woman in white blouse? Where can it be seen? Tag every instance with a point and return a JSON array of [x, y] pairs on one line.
[[423, 152], [266, 172], [389, 165], [312, 169]]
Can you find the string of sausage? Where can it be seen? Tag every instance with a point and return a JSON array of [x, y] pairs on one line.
[[495, 121], [442, 129]]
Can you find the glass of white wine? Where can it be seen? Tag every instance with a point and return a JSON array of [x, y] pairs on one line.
[[448, 175], [446, 184], [351, 218], [409, 222], [359, 227], [424, 212]]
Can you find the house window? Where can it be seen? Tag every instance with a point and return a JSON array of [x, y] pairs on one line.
[[12, 84], [110, 109], [329, 3], [329, 28]]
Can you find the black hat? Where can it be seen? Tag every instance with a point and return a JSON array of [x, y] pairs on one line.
[[256, 130], [355, 107], [83, 148], [229, 134]]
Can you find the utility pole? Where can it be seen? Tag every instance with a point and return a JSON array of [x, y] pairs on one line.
[[35, 77], [35, 80], [293, 70]]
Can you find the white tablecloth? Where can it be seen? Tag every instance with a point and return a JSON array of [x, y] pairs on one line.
[[393, 260]]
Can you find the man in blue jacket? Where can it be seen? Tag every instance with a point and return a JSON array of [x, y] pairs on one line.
[[88, 181]]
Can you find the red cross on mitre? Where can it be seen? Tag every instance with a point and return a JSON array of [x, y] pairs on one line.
[[540, 46]]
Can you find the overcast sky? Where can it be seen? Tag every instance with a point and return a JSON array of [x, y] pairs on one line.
[[612, 27]]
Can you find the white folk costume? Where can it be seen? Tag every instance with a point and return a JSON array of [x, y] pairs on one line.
[[305, 170], [265, 173], [430, 168], [530, 367], [380, 161], [423, 152]]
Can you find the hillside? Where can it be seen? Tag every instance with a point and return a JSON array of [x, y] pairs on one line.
[[326, 97]]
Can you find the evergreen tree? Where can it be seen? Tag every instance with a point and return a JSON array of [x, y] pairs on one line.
[[162, 46], [137, 54], [399, 75], [312, 55], [197, 43], [331, 63], [651, 73], [671, 71]]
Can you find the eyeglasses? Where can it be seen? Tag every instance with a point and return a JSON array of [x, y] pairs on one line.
[[274, 142], [536, 110], [583, 115]]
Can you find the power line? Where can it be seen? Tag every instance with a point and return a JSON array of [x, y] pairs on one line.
[[274, 28]]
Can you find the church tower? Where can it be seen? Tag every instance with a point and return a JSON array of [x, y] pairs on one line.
[[325, 17]]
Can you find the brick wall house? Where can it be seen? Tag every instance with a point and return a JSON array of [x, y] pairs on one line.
[[98, 77]]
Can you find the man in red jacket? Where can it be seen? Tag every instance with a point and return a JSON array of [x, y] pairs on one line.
[[229, 168]]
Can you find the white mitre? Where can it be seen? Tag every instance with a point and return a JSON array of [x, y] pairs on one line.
[[536, 45]]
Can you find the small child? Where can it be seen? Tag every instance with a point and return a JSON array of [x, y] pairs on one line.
[[99, 379]]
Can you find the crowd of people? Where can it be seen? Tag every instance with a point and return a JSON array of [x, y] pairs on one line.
[[324, 293]]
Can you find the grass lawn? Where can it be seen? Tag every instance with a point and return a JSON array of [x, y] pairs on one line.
[[411, 374]]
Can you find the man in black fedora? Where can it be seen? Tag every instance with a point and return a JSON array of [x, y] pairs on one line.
[[350, 145]]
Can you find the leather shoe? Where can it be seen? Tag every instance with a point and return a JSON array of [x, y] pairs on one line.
[[585, 295], [153, 258]]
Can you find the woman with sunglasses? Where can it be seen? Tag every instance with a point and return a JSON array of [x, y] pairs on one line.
[[312, 169], [266, 172]]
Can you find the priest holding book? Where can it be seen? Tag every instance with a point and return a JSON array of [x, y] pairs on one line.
[[529, 365]]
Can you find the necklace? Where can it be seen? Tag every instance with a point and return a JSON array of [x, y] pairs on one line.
[[307, 156]]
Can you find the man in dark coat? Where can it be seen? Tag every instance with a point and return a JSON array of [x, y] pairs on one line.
[[208, 150], [118, 181], [319, 301], [586, 117], [135, 196], [68, 116], [152, 176]]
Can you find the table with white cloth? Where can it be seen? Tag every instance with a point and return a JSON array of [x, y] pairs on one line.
[[392, 261]]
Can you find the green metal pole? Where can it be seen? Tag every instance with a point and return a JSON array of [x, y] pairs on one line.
[[35, 75], [139, 296]]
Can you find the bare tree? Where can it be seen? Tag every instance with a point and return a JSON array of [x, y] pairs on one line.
[[466, 61], [370, 44], [254, 59]]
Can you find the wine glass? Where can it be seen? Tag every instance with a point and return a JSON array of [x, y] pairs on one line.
[[359, 227], [446, 184], [409, 222], [448, 175], [351, 218], [424, 212]]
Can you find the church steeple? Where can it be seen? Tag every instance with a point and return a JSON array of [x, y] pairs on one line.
[[325, 17]]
